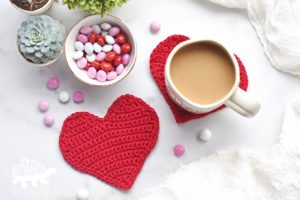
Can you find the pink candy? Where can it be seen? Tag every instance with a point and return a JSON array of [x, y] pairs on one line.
[[78, 97], [92, 72], [101, 76], [120, 69], [117, 49], [86, 30], [53, 83], [178, 150], [111, 75], [101, 56], [48, 119], [114, 31], [82, 38], [155, 26], [125, 59], [81, 63], [43, 105]]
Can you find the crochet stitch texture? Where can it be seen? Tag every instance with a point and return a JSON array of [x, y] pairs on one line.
[[158, 60], [113, 148]]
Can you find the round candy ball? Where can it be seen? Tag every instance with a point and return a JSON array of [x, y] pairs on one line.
[[204, 135], [49, 119], [82, 194], [53, 83], [64, 97], [155, 26], [43, 105], [78, 97], [178, 150]]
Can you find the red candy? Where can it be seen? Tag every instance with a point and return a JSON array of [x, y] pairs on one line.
[[101, 40], [93, 37], [125, 48], [121, 38], [110, 56], [97, 65], [88, 65], [106, 66], [117, 60]]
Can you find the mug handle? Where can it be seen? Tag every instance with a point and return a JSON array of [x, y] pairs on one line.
[[243, 103]]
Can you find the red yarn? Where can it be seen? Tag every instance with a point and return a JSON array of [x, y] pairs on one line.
[[158, 59], [113, 148]]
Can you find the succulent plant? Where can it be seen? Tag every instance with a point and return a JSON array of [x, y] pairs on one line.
[[101, 7], [40, 39]]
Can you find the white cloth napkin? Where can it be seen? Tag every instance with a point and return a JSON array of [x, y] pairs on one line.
[[271, 174], [277, 23]]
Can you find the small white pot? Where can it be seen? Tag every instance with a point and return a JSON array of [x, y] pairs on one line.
[[43, 9]]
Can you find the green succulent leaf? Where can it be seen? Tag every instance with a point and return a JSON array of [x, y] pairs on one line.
[[101, 7]]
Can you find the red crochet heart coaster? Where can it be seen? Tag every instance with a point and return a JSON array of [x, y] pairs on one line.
[[113, 148], [158, 59]]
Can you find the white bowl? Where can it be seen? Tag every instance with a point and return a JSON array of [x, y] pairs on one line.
[[43, 9], [71, 39]]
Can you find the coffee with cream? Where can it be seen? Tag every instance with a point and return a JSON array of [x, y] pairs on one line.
[[202, 72]]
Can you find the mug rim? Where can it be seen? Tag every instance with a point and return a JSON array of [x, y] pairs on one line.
[[214, 42]]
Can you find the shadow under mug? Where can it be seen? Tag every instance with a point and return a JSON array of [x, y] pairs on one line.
[[237, 99]]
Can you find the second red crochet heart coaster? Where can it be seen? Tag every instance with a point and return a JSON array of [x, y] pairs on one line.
[[158, 59], [113, 148]]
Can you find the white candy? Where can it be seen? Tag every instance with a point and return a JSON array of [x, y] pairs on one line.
[[109, 39], [97, 47], [77, 55], [64, 97], [104, 33], [91, 57], [96, 28], [204, 135], [79, 46], [82, 194], [107, 48], [105, 26], [88, 47]]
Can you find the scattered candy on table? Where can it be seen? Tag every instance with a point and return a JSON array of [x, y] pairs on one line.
[[48, 119], [102, 50], [78, 97], [43, 105], [64, 97], [53, 83], [204, 135], [155, 26], [82, 194], [178, 150]]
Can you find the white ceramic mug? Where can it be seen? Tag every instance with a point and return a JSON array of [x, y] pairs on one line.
[[237, 99]]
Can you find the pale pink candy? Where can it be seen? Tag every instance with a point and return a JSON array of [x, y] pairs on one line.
[[125, 59], [155, 26], [101, 56], [111, 75], [82, 38], [179, 150], [101, 76], [78, 96], [120, 69], [92, 72], [48, 119], [114, 31], [81, 63], [85, 30], [116, 48]]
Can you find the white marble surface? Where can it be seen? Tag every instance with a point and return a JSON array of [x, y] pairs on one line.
[[22, 134]]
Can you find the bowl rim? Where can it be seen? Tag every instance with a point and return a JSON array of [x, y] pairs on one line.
[[100, 83], [41, 10]]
